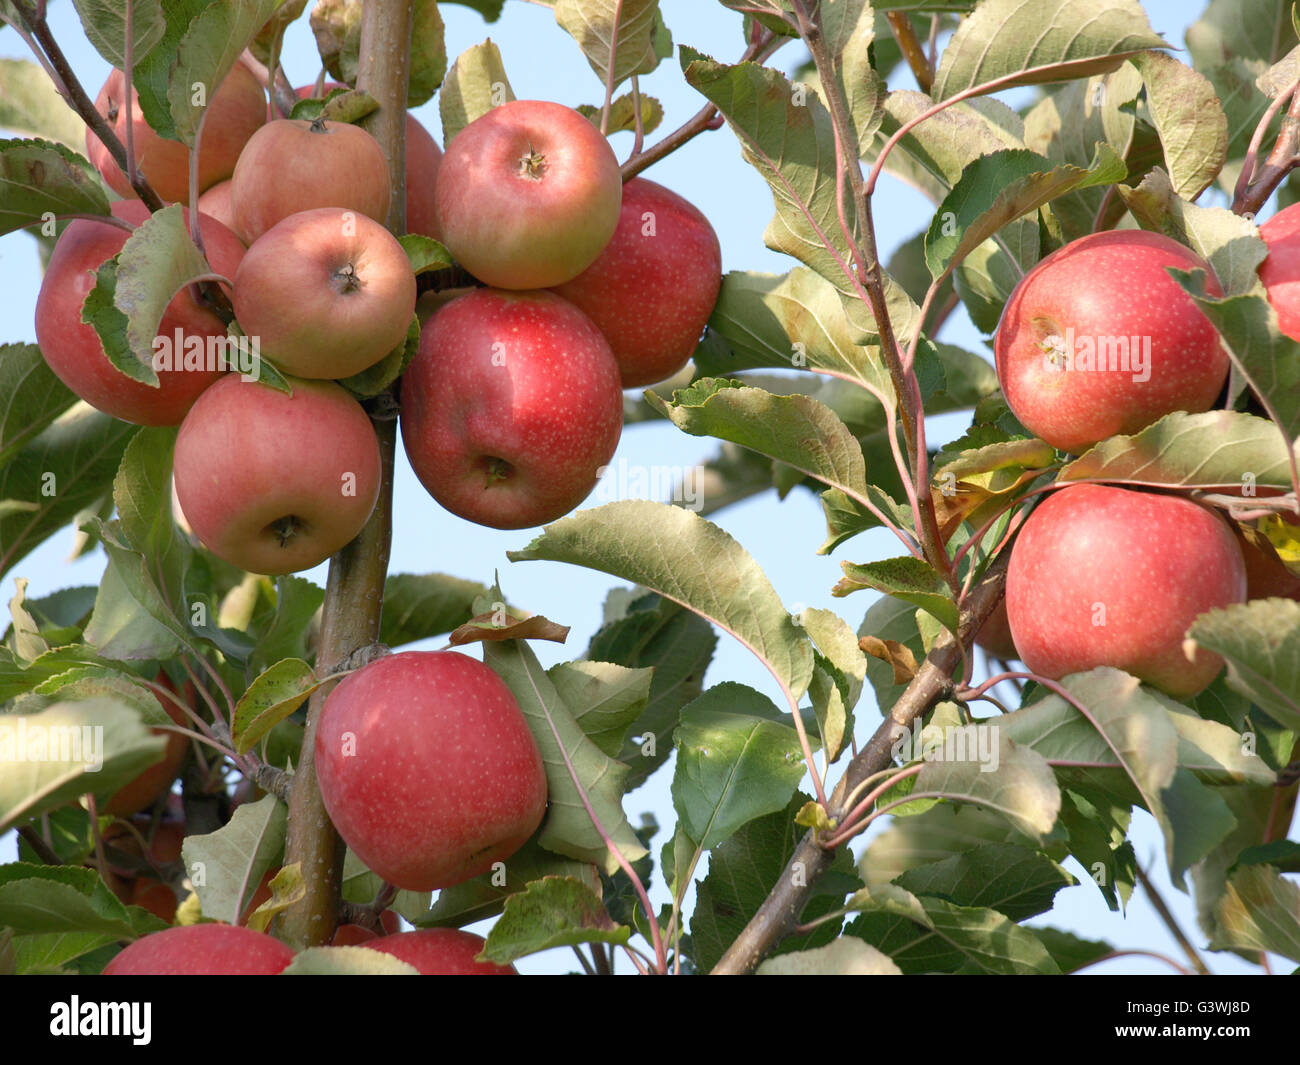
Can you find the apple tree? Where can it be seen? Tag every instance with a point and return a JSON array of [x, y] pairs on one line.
[[207, 740]]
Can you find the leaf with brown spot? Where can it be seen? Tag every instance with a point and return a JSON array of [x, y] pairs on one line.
[[898, 655], [487, 627]]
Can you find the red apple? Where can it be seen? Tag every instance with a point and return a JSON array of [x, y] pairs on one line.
[[1267, 575], [423, 158], [215, 202], [995, 634], [351, 935], [292, 165], [327, 293], [274, 483], [441, 952], [511, 407], [529, 195], [1104, 576], [202, 950], [156, 897], [1098, 339], [654, 286], [235, 113], [72, 348], [145, 789], [428, 769], [1280, 271]]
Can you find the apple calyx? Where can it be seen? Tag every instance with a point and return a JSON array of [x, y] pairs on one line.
[[532, 165], [497, 469], [318, 124], [286, 529], [346, 279]]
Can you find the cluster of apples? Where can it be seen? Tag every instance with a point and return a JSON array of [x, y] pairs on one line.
[[1097, 340]]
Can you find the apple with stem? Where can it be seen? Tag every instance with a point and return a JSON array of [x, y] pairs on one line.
[[202, 950], [440, 952], [292, 165], [423, 158], [1103, 576], [654, 286], [428, 769], [511, 407], [72, 348], [274, 483], [528, 195], [327, 293], [1098, 339], [237, 110]]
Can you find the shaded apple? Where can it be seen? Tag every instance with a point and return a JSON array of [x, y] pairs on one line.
[[1098, 339], [327, 293], [275, 483], [153, 782], [652, 289], [528, 195], [72, 348], [440, 952], [428, 769], [1103, 576], [202, 950], [511, 407]]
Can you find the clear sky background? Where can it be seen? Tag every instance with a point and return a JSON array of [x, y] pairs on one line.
[[543, 62]]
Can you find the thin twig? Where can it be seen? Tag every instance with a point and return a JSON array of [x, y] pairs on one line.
[[1171, 922]]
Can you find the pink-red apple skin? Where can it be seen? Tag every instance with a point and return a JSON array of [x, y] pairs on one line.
[[315, 164], [428, 769], [440, 952], [423, 158], [145, 789], [1280, 271], [202, 950], [215, 202], [72, 347], [511, 407], [528, 195], [236, 112], [272, 483], [654, 286], [1103, 576], [1103, 286], [327, 293], [1267, 575]]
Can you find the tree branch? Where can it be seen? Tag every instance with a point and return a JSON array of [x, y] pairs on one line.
[[912, 48], [354, 594], [781, 911]]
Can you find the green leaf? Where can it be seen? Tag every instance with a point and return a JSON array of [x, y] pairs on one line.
[[1186, 114], [105, 26], [690, 561], [1261, 642], [1259, 911], [678, 645], [1219, 448], [1069, 951], [840, 957], [910, 579], [1229, 243], [934, 835], [418, 606], [474, 85], [428, 53], [66, 750], [568, 829], [275, 694], [556, 911], [29, 103], [796, 430], [153, 73], [132, 619], [997, 189], [1253, 29], [37, 899], [945, 938], [605, 699], [786, 134], [207, 51], [1097, 828], [49, 952], [425, 253], [41, 180], [1014, 880], [287, 633], [622, 114], [226, 866], [1269, 360], [837, 682], [734, 763], [1052, 40], [485, 896], [742, 870], [628, 28]]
